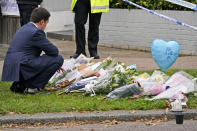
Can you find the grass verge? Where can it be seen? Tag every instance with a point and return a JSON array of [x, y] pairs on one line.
[[50, 102]]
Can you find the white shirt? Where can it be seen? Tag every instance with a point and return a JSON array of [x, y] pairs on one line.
[[34, 24]]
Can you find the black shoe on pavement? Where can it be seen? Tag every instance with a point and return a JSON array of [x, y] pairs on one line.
[[93, 53], [95, 56], [77, 55], [74, 56]]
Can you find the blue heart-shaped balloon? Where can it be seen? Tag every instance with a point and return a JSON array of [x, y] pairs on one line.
[[164, 53]]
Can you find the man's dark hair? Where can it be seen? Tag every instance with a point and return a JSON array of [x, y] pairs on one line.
[[39, 14]]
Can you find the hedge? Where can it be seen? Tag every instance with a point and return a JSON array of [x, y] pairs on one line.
[[150, 4]]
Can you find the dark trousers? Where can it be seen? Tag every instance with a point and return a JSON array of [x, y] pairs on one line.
[[82, 9], [25, 12], [42, 78]]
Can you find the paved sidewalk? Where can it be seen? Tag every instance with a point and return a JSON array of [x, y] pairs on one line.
[[94, 116], [143, 60]]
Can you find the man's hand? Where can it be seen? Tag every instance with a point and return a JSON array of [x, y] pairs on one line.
[[61, 70]]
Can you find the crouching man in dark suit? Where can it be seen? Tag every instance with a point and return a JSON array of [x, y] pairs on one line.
[[24, 63]]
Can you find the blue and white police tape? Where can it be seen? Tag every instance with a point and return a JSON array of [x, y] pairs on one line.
[[184, 3], [160, 15]]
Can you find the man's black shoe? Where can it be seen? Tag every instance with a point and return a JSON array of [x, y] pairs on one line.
[[77, 55], [74, 56], [95, 56], [16, 87]]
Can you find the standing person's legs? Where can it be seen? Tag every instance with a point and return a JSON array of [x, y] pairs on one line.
[[25, 13], [81, 14], [22, 14], [93, 34]]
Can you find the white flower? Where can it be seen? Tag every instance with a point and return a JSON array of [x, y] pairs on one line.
[[119, 68]]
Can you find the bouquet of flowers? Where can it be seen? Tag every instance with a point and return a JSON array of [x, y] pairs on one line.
[[123, 91]]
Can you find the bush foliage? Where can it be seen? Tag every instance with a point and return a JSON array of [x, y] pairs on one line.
[[150, 4]]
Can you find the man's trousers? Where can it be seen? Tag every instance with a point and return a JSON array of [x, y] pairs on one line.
[[41, 78], [82, 9]]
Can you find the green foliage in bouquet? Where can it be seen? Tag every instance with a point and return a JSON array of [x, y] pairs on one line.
[[118, 79], [56, 79], [150, 4], [105, 64]]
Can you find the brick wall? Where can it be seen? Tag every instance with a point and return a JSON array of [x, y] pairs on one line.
[[136, 29]]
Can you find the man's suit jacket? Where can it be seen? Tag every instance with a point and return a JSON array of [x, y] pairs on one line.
[[25, 51]]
